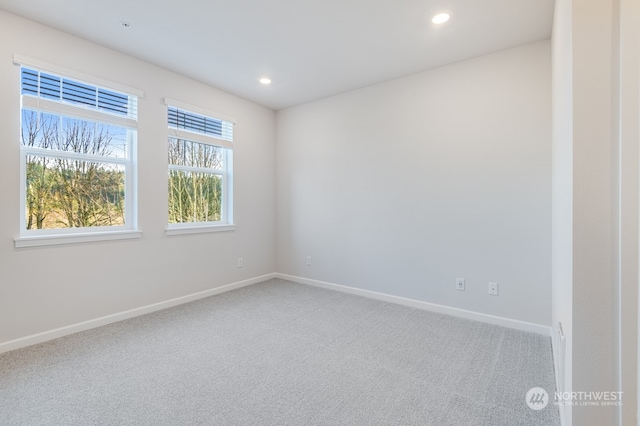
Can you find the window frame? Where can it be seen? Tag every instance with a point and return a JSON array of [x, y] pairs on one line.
[[66, 110], [225, 143]]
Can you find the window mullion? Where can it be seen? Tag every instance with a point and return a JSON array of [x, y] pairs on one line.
[[190, 169], [44, 152], [23, 190]]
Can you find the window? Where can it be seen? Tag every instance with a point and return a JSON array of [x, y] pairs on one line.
[[78, 146], [200, 164]]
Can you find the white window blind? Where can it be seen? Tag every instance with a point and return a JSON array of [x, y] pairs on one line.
[[51, 93], [188, 123]]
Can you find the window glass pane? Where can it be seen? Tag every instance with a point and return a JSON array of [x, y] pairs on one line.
[[29, 82], [50, 131], [194, 197], [49, 86], [113, 102], [194, 154], [78, 93], [66, 193], [39, 130], [87, 137]]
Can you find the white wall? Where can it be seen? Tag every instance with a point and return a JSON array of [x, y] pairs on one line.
[[562, 211], [403, 186], [594, 200], [45, 288], [629, 31], [596, 195]]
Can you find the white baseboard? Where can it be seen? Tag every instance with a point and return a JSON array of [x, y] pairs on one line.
[[108, 319], [559, 348], [442, 309]]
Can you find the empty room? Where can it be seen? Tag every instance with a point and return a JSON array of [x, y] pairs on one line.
[[270, 212]]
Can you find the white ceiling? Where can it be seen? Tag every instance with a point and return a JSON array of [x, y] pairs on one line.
[[309, 48]]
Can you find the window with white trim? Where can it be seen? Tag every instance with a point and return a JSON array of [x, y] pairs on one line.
[[200, 157], [78, 144]]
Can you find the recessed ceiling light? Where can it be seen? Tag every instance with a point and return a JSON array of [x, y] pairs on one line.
[[440, 18], [265, 80], [125, 24]]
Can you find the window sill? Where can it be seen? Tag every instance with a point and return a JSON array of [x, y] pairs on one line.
[[89, 237], [199, 229]]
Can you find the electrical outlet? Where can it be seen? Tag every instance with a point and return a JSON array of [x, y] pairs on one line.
[[240, 262], [460, 284], [308, 260], [493, 289]]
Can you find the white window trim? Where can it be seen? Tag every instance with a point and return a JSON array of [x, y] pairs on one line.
[[226, 223], [74, 238], [47, 237], [202, 228]]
